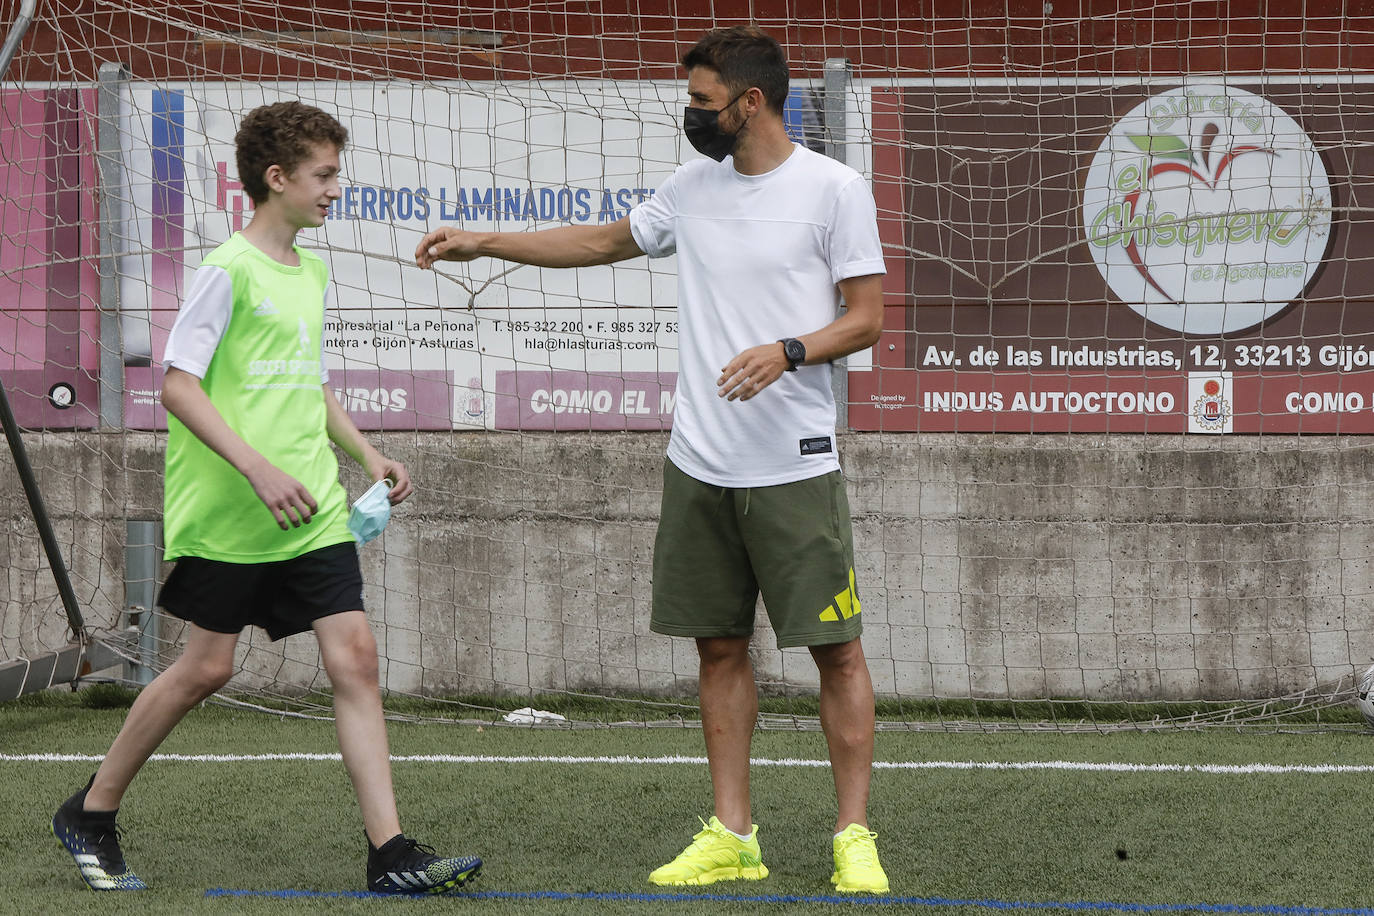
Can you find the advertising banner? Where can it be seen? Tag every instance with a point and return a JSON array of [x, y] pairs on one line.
[[49, 284], [1125, 259], [1061, 258], [484, 345]]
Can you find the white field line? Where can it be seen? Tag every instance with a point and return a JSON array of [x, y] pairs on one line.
[[1215, 769]]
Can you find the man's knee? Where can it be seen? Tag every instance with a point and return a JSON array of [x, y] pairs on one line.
[[842, 660], [723, 652]]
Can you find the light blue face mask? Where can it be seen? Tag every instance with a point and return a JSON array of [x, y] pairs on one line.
[[370, 512]]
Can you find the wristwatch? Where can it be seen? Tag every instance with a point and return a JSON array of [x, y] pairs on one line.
[[795, 351]]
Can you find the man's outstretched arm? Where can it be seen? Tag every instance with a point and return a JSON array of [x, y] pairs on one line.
[[566, 246]]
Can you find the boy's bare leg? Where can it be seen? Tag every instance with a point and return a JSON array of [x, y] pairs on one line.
[[350, 659], [205, 666]]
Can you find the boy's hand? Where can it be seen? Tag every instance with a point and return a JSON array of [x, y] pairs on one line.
[[389, 469], [285, 496], [446, 244]]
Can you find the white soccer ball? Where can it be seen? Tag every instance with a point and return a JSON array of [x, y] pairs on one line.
[[1364, 696]]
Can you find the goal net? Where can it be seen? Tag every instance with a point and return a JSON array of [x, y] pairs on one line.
[[1109, 453]]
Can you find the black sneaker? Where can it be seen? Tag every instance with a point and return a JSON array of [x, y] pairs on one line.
[[404, 866], [93, 841]]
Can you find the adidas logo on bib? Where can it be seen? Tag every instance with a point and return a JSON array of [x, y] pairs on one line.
[[265, 308]]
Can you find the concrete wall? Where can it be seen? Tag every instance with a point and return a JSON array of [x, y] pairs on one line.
[[1107, 567]]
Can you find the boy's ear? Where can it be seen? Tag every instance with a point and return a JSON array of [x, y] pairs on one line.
[[275, 178]]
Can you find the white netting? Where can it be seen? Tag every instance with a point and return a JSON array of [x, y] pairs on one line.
[[1103, 234]]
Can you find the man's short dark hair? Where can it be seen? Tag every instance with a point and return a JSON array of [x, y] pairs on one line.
[[744, 56], [281, 134]]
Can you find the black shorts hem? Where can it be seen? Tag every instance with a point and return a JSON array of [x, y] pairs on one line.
[[274, 633], [181, 614]]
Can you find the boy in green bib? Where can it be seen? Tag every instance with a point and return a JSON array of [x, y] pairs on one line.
[[255, 516]]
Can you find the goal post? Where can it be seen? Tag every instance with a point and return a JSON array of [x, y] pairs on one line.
[[19, 676]]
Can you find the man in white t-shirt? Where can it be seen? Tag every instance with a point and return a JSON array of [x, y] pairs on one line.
[[770, 237]]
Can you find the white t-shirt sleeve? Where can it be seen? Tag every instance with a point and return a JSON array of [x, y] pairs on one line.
[[854, 247], [654, 222], [201, 321]]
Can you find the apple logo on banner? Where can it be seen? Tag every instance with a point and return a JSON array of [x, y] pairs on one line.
[[1207, 209]]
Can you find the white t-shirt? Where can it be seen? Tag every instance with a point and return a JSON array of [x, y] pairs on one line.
[[758, 260], [202, 319]]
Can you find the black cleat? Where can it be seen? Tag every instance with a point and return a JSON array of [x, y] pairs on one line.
[[404, 866], [93, 841]]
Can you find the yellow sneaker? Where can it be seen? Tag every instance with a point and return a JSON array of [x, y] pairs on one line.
[[856, 862], [716, 854]]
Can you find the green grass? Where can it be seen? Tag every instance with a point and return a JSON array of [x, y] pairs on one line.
[[591, 708], [1032, 835]]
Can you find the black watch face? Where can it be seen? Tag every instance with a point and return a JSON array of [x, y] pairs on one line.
[[795, 351]]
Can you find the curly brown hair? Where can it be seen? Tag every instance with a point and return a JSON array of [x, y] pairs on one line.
[[281, 134], [744, 56]]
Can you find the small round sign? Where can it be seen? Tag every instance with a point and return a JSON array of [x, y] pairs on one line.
[[1207, 209], [62, 395]]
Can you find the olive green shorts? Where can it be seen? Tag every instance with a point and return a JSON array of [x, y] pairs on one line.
[[719, 547]]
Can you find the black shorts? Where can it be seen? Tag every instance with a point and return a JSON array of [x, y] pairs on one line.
[[283, 597]]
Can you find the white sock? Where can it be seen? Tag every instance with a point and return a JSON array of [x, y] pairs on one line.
[[743, 838]]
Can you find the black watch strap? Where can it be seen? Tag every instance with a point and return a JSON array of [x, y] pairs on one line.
[[795, 351]]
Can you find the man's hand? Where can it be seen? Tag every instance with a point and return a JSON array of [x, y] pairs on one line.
[[446, 244], [289, 501], [751, 372], [389, 469]]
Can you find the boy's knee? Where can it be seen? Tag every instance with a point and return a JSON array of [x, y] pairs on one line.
[[363, 663], [202, 680], [355, 662]]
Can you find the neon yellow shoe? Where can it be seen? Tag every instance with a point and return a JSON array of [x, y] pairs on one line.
[[856, 862], [716, 854]]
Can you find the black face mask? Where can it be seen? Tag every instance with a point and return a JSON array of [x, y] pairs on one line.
[[702, 128]]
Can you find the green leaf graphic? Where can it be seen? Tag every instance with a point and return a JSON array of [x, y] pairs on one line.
[[1165, 147]]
